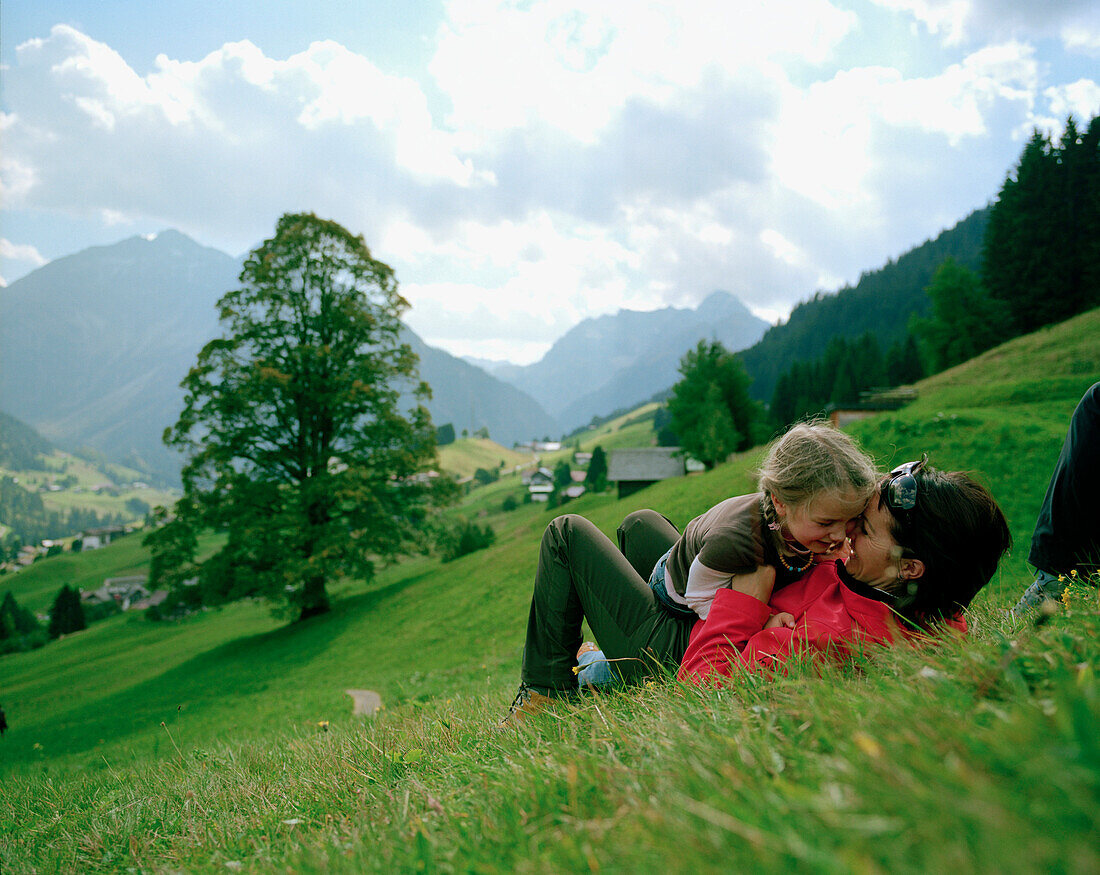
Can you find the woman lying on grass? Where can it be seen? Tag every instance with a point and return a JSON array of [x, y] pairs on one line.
[[926, 544]]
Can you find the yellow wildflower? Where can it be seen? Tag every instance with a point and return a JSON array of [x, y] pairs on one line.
[[323, 724], [867, 744]]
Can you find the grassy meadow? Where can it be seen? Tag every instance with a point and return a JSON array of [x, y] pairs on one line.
[[463, 457], [88, 477], [226, 741]]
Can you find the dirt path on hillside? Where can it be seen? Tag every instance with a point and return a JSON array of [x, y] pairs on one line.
[[367, 702]]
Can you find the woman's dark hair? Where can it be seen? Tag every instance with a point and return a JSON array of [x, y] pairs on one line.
[[960, 534]]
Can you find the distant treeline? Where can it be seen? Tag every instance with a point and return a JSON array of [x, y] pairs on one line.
[[847, 368]]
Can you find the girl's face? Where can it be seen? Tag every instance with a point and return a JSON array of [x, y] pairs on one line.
[[876, 556], [822, 523]]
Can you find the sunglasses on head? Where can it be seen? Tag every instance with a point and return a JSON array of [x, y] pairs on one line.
[[900, 489]]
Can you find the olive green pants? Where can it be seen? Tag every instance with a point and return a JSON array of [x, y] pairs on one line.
[[581, 575]]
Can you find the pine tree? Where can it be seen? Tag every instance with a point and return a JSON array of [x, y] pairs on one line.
[[67, 613], [595, 479], [1018, 239], [903, 362], [1041, 256]]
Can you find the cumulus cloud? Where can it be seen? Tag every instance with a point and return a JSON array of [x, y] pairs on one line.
[[556, 160], [21, 256], [1075, 22], [225, 143]]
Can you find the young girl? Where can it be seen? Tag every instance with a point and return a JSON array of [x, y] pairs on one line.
[[814, 482]]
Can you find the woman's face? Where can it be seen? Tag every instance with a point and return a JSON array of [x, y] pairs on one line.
[[876, 556], [822, 524]]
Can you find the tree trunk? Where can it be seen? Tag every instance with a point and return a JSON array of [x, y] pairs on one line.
[[314, 598]]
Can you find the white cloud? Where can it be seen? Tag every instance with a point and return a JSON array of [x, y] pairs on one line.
[[847, 116], [1080, 99], [573, 68], [229, 141], [1081, 39], [21, 252], [1075, 22], [24, 255], [560, 160], [526, 281]]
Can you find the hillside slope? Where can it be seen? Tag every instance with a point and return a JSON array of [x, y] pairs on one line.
[[993, 416], [991, 762], [93, 346]]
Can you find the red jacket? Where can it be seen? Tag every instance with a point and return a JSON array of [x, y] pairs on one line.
[[830, 620]]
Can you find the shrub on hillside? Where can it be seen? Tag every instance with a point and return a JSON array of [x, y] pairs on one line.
[[19, 628], [485, 477], [463, 536], [101, 610]]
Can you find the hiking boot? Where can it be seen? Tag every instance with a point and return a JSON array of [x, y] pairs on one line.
[[1047, 587], [527, 702]]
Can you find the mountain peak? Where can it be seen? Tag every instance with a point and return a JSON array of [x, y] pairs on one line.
[[722, 303]]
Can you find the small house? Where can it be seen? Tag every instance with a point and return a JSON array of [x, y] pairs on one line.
[[101, 536], [540, 484], [638, 467], [124, 591]]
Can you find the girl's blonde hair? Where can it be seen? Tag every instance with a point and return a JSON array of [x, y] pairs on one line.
[[814, 458]]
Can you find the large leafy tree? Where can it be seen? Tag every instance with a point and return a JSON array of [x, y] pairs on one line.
[[710, 407], [292, 423]]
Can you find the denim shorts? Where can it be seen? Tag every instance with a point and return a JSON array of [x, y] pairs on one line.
[[594, 670], [660, 592]]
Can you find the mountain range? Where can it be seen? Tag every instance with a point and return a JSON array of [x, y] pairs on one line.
[[93, 347], [615, 361]]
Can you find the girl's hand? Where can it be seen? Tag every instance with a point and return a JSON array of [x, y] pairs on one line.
[[780, 620]]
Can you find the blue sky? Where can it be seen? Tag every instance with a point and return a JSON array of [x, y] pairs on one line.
[[523, 165]]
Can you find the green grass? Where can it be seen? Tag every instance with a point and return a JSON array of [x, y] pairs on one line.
[[463, 457], [36, 586], [187, 746]]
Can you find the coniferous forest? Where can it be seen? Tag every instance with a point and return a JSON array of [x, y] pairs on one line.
[[1030, 259]]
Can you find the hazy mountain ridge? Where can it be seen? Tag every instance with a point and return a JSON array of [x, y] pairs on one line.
[[625, 358], [93, 347], [470, 398]]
